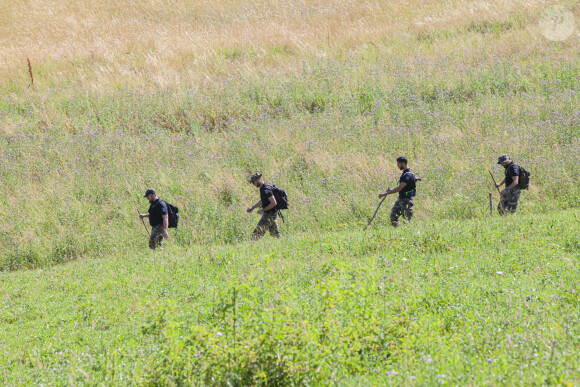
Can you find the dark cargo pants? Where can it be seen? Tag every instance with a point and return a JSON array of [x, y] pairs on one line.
[[508, 203], [404, 207], [156, 239], [268, 222]]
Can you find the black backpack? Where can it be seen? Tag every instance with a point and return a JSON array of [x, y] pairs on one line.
[[281, 198], [172, 215], [523, 178]]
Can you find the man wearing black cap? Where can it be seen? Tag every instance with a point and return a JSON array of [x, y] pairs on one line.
[[406, 189], [158, 219], [508, 201], [269, 220]]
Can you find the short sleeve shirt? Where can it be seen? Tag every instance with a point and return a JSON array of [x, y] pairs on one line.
[[511, 171], [407, 177], [156, 211], [266, 192]]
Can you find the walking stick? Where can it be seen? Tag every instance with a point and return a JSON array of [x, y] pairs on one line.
[[147, 231], [375, 214], [498, 191], [490, 205], [492, 178]]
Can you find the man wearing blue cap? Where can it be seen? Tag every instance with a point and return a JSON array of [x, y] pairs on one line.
[[407, 191], [158, 219]]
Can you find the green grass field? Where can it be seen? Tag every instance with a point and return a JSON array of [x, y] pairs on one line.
[[458, 297], [486, 301]]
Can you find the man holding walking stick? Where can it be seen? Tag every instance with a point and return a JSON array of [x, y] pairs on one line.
[[158, 219], [407, 191], [508, 201]]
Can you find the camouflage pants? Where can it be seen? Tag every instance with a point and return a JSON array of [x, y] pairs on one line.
[[403, 206], [268, 222], [508, 203], [156, 239]]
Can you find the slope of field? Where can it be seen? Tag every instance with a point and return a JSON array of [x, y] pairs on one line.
[[76, 160], [321, 97]]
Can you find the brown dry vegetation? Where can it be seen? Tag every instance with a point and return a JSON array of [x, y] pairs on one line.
[[101, 43]]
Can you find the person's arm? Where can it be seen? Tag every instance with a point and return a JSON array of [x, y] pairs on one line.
[[270, 206], [512, 185], [250, 209], [165, 226], [500, 184], [141, 216], [394, 190]]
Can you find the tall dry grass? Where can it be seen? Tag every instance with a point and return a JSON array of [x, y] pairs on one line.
[[165, 42]]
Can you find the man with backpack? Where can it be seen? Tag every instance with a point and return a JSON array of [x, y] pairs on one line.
[[269, 211], [508, 201], [158, 215], [407, 191]]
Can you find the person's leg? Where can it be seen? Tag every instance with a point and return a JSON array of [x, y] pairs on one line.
[[156, 239], [513, 196], [408, 208], [261, 228], [396, 213], [274, 228], [501, 206]]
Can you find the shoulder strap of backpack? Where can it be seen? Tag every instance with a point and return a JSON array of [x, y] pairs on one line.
[[170, 207]]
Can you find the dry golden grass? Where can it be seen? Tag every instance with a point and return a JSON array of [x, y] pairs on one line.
[[98, 43]]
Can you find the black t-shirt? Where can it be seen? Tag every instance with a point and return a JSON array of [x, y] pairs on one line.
[[511, 171], [407, 177], [156, 211], [266, 192]]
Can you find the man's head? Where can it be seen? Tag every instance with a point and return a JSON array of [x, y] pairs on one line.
[[151, 195], [256, 180], [504, 160], [402, 162]]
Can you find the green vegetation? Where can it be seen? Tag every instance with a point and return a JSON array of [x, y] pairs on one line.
[[485, 301], [460, 297], [75, 163]]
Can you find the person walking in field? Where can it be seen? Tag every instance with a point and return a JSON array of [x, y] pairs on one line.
[[158, 215], [269, 212], [407, 191], [510, 195]]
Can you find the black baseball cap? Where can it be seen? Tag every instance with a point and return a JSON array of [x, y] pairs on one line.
[[401, 159], [254, 177], [150, 191]]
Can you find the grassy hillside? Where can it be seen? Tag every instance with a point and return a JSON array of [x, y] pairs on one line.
[[76, 158], [321, 97]]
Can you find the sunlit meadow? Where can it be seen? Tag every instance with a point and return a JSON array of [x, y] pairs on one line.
[[321, 97]]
